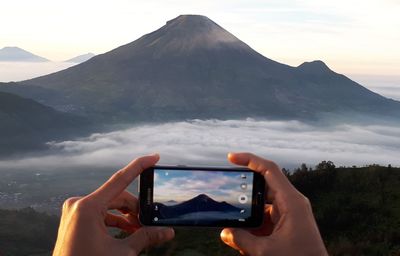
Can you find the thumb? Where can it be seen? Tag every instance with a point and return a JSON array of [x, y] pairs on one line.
[[148, 236], [241, 240]]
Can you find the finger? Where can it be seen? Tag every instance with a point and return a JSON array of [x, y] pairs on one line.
[[126, 202], [128, 205], [149, 236], [274, 213], [133, 220], [112, 220], [268, 225], [276, 180], [122, 178], [241, 240], [69, 202]]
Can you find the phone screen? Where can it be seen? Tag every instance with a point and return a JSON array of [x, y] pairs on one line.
[[202, 197]]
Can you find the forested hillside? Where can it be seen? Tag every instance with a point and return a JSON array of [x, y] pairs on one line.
[[26, 125], [357, 210]]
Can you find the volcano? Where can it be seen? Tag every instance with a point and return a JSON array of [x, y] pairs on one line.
[[193, 68]]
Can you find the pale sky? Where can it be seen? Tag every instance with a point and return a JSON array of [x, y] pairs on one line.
[[351, 36]]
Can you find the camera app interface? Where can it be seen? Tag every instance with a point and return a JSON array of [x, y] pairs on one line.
[[201, 197]]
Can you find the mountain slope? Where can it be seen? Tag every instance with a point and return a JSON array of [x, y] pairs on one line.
[[27, 125], [46, 96], [193, 68], [333, 92], [18, 54]]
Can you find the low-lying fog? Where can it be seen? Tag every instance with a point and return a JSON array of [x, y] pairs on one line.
[[385, 85], [18, 71], [207, 143], [78, 167]]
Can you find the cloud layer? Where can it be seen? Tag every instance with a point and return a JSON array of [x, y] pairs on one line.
[[18, 71], [207, 142]]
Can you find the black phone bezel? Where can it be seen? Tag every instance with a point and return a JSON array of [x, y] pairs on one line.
[[146, 184]]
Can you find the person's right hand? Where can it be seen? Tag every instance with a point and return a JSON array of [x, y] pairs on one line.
[[289, 226]]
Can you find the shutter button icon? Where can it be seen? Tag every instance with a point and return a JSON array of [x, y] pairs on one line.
[[242, 199]]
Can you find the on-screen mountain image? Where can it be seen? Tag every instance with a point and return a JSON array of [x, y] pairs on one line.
[[200, 208]]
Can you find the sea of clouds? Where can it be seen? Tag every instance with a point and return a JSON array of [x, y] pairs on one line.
[[385, 85], [207, 142], [18, 71]]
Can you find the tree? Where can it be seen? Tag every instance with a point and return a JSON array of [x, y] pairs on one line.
[[303, 167], [326, 166], [286, 172]]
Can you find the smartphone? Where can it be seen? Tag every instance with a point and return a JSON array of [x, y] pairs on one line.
[[201, 196]]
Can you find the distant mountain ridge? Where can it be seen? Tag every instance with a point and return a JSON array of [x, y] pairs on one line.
[[17, 54], [81, 58], [193, 68]]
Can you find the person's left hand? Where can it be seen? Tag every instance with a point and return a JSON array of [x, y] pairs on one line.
[[84, 220]]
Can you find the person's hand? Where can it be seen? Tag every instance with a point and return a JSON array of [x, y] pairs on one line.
[[289, 226], [84, 221]]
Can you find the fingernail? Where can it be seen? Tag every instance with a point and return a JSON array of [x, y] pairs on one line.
[[225, 235], [155, 154], [168, 233]]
